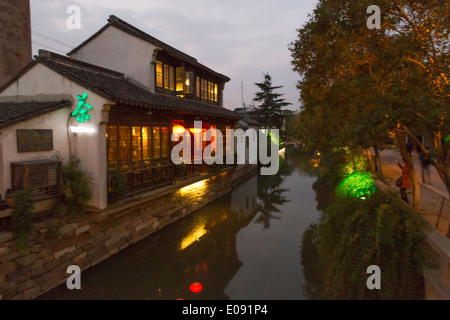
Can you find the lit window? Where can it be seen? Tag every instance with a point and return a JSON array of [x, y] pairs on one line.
[[180, 86], [169, 81], [146, 143], [171, 78], [111, 142], [156, 143], [210, 91], [197, 87], [216, 92], [124, 145], [164, 142], [136, 144], [159, 74], [204, 90], [189, 82]]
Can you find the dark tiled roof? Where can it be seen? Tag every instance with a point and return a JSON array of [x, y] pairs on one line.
[[250, 120], [133, 31], [113, 86], [14, 112]]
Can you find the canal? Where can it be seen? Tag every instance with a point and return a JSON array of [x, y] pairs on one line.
[[245, 245]]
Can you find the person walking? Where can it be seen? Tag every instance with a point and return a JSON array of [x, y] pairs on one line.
[[425, 164], [409, 146], [406, 180]]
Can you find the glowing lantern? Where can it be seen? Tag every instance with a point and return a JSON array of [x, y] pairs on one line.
[[196, 287], [195, 130], [178, 129]]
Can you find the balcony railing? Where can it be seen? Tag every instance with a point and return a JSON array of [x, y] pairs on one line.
[[146, 177]]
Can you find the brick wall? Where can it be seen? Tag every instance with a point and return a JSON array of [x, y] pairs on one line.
[[95, 236], [15, 38]]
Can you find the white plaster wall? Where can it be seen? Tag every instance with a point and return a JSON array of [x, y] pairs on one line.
[[116, 50], [42, 84], [8, 140]]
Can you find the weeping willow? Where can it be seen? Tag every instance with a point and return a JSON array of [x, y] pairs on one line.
[[352, 235]]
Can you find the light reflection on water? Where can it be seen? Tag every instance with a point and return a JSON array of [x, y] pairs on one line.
[[245, 245]]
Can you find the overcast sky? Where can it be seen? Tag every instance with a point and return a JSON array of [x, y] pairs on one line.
[[242, 39]]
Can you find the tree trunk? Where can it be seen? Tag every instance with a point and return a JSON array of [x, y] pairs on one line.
[[442, 164], [443, 161], [409, 163], [378, 166]]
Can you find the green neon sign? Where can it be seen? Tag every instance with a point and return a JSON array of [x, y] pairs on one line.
[[82, 109]]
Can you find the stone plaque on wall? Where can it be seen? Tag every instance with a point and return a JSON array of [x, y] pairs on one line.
[[34, 140]]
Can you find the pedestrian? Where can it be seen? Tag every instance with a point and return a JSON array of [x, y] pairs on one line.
[[406, 180], [425, 164], [409, 146]]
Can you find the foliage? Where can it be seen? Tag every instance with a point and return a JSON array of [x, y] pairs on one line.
[[358, 85], [180, 170], [269, 112], [357, 185], [76, 189], [22, 216], [354, 234], [117, 186]]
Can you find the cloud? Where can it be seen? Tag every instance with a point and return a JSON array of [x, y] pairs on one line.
[[241, 39]]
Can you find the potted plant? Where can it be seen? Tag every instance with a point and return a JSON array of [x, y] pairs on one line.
[[180, 170], [9, 198]]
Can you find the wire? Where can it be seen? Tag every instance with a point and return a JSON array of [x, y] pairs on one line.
[[52, 39], [48, 47]]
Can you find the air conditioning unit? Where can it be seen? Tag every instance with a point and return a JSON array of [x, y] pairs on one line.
[[42, 177]]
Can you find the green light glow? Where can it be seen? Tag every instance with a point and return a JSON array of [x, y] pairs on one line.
[[81, 113], [357, 185], [446, 139]]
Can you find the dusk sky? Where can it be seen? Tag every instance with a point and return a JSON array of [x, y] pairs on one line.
[[241, 39]]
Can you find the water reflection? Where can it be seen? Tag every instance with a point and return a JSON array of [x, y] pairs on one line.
[[222, 248]]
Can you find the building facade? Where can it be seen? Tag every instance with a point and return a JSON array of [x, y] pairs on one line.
[[113, 103]]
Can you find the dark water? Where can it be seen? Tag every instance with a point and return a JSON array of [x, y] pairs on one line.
[[245, 245]]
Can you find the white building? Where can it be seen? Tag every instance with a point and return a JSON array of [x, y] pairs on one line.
[[113, 103]]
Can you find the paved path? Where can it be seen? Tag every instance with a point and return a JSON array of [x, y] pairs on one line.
[[431, 192]]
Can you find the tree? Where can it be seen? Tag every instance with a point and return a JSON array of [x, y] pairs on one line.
[[269, 111], [360, 85]]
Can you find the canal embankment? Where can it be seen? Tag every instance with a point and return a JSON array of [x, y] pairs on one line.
[[91, 238], [435, 210]]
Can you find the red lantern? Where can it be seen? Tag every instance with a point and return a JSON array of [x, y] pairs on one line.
[[196, 287]]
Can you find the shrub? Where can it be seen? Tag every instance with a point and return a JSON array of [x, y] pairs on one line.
[[76, 190], [180, 170], [117, 186], [354, 234], [22, 217]]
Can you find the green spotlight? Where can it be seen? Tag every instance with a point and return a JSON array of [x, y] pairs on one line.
[[357, 185]]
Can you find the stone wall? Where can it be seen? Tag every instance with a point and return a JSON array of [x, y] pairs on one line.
[[15, 38], [95, 236]]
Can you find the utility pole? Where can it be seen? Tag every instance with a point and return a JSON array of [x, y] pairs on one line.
[[242, 95]]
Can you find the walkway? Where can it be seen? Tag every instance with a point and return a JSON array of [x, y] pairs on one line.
[[431, 193]]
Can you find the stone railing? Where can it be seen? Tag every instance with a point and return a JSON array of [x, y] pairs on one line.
[[437, 280]]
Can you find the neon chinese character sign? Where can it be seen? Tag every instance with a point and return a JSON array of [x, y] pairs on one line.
[[82, 109]]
